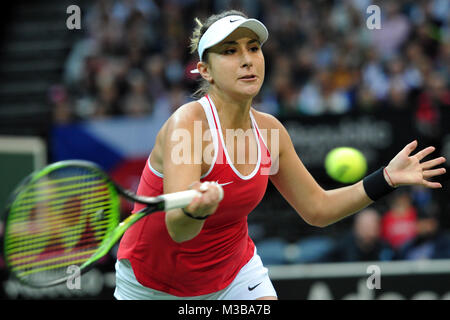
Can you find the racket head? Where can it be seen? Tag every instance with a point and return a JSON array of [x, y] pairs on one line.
[[59, 217]]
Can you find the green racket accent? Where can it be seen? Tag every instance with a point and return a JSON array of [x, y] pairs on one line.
[[64, 215], [109, 242]]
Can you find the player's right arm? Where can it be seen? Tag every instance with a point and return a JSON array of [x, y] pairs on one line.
[[182, 167]]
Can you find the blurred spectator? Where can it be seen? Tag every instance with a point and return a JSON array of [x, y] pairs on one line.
[[430, 104], [364, 242], [62, 107], [137, 102], [394, 32], [399, 223], [425, 244], [320, 96], [431, 242], [154, 68], [365, 99], [123, 9], [108, 94], [103, 28]]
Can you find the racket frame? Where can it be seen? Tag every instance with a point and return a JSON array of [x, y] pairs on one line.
[[115, 230]]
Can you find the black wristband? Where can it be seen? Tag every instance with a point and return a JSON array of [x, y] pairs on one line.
[[376, 185], [193, 217]]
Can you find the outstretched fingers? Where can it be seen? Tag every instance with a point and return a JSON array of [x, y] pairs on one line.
[[424, 152], [433, 163], [433, 173], [427, 174], [432, 185], [410, 147], [408, 168]]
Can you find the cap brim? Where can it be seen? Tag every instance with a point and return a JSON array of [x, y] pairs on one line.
[[252, 24], [221, 29], [257, 27]]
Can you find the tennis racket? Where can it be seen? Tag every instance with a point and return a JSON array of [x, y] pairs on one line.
[[67, 214]]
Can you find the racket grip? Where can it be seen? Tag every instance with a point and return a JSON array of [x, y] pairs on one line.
[[183, 198], [179, 199], [204, 186]]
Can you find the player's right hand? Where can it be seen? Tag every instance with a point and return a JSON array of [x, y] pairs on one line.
[[207, 203]]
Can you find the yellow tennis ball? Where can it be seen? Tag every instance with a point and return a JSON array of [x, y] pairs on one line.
[[345, 164]]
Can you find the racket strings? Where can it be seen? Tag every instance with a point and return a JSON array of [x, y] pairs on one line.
[[58, 221], [39, 240], [58, 200], [53, 217]]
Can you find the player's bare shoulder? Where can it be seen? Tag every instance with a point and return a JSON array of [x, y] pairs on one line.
[[266, 120], [184, 117], [272, 130], [187, 113]]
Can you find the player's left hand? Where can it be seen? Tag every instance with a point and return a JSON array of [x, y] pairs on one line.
[[407, 169]]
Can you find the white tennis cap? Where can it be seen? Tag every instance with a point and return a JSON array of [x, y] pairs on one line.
[[222, 28]]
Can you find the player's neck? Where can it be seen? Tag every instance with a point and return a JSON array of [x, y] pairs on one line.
[[233, 113]]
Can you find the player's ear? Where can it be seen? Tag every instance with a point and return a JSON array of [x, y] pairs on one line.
[[204, 70]]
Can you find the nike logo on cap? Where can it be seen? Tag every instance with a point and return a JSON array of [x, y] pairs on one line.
[[231, 20]]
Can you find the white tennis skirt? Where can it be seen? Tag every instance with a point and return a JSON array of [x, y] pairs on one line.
[[252, 282]]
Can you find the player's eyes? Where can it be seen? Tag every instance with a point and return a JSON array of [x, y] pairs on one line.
[[229, 51]]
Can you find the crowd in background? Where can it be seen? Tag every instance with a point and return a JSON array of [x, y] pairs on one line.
[[321, 58]]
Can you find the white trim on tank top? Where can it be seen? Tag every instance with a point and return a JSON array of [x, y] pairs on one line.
[[253, 173]]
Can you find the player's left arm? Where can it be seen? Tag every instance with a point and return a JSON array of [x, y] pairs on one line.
[[318, 207], [321, 207]]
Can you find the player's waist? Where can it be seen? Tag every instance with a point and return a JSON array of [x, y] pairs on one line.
[[185, 272]]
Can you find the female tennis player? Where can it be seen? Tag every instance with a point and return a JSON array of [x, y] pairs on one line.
[[204, 251]]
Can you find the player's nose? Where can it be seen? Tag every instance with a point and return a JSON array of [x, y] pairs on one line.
[[247, 61]]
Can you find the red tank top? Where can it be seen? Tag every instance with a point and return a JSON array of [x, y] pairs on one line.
[[210, 261]]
